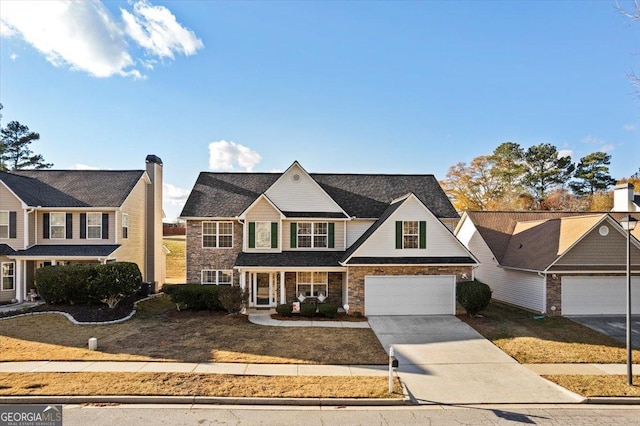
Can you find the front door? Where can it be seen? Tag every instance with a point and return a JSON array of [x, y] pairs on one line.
[[262, 289]]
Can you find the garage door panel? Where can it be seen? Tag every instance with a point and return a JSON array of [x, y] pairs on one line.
[[598, 295], [410, 295]]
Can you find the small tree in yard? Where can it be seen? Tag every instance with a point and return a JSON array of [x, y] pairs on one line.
[[474, 296], [233, 299], [114, 281]]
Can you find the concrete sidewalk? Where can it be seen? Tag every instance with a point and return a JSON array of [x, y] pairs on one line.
[[264, 318]]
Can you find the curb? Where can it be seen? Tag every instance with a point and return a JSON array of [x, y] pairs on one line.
[[76, 322], [612, 400], [327, 402]]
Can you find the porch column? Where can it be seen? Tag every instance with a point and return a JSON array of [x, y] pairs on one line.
[[19, 281], [243, 283], [283, 296]]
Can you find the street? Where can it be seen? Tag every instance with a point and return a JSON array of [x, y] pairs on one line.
[[145, 415]]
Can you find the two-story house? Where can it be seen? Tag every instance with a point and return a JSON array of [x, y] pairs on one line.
[[60, 217], [375, 244]]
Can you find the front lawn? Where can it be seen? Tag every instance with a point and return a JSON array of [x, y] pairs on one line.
[[158, 332], [603, 386], [545, 340]]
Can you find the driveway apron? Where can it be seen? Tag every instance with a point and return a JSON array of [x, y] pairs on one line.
[[444, 361]]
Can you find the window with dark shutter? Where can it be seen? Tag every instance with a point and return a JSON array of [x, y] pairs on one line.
[[83, 226], [274, 234], [45, 226], [294, 235], [105, 226], [423, 234], [69, 226], [252, 235], [332, 239], [399, 234], [13, 228]]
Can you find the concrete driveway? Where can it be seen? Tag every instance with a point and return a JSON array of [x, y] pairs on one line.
[[612, 325], [444, 361]]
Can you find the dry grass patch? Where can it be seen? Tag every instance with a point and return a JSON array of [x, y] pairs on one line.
[[176, 260], [547, 340], [592, 386], [190, 384], [161, 333]]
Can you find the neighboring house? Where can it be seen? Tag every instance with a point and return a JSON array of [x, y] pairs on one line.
[[557, 263], [62, 217], [379, 244], [625, 199]]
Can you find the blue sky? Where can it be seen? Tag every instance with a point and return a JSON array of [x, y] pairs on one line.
[[388, 87]]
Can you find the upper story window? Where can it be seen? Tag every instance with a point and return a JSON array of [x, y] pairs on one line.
[[411, 234], [263, 235], [217, 234], [125, 225], [57, 225], [312, 235], [4, 225], [94, 225]]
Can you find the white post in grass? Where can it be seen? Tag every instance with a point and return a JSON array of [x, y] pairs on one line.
[[391, 369]]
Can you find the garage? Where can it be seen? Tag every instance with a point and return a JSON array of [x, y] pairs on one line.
[[604, 295], [410, 295]]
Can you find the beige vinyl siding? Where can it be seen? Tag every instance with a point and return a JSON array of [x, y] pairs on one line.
[[338, 235], [262, 211], [595, 249], [132, 249], [440, 242], [305, 195], [356, 228], [9, 202], [32, 228], [76, 229], [520, 288]]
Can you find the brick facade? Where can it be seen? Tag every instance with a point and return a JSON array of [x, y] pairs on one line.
[[358, 273], [199, 258]]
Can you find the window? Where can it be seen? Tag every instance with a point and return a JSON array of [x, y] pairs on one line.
[[4, 225], [125, 225], [8, 275], [311, 284], [410, 234], [94, 225], [57, 228], [217, 234], [217, 277], [313, 235], [263, 235]]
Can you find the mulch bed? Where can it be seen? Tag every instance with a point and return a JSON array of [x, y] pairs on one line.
[[85, 313], [341, 316]]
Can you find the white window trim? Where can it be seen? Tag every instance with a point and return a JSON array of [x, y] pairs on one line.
[[217, 273], [94, 226], [312, 283], [417, 235], [125, 226], [217, 234], [2, 276], [312, 235], [64, 226], [8, 225], [268, 246]]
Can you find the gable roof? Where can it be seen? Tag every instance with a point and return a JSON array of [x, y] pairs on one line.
[[534, 240], [72, 188], [359, 195]]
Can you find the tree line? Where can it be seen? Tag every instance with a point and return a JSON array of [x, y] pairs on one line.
[[538, 178], [15, 153]]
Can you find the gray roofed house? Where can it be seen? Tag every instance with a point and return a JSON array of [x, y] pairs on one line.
[[324, 237], [61, 217]]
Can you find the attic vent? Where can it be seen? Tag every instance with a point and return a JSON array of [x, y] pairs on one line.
[[295, 177], [604, 230]]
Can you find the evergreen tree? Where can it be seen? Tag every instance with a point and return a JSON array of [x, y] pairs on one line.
[[592, 174], [15, 153], [545, 169]]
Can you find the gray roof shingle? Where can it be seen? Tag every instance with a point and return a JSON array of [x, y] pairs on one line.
[[290, 258], [54, 250], [72, 188], [359, 195]]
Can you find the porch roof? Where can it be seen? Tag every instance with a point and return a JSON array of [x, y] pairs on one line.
[[5, 250], [62, 250], [290, 258]]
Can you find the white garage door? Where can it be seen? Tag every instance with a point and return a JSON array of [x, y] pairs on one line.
[[410, 295], [599, 295]]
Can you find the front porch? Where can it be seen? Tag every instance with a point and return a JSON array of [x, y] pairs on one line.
[[269, 288]]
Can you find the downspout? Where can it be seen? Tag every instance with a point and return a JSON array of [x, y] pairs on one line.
[[543, 275]]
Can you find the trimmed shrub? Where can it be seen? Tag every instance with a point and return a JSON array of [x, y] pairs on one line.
[[474, 296], [284, 310], [195, 296], [328, 310], [114, 281], [233, 298], [308, 310], [50, 284]]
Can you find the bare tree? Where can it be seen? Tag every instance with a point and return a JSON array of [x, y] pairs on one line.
[[633, 14]]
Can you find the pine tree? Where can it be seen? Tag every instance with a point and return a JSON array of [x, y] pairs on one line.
[[15, 153]]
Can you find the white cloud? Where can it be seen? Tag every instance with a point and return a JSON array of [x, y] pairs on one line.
[[172, 195], [225, 155], [629, 127], [83, 35], [606, 148], [592, 140], [156, 29], [80, 166], [275, 171], [13, 56], [565, 153]]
